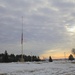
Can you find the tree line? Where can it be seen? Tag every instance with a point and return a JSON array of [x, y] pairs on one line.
[[5, 57]]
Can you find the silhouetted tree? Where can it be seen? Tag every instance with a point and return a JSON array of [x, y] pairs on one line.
[[1, 57], [29, 58], [38, 59], [71, 57], [12, 58], [34, 58], [50, 59], [18, 57], [5, 57]]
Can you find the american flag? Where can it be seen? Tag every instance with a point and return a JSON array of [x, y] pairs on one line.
[[22, 38]]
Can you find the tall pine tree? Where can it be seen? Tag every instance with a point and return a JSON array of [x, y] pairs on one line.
[[71, 57], [5, 57], [50, 59]]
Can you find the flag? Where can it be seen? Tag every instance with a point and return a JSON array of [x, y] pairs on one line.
[[22, 38]]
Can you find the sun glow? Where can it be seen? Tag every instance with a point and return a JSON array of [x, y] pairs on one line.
[[55, 54], [71, 29]]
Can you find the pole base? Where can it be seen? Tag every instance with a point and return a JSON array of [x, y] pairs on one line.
[[22, 60]]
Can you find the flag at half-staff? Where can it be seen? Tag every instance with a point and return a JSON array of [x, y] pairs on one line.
[[22, 38]]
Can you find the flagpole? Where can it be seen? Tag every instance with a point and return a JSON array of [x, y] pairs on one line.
[[22, 36], [22, 59]]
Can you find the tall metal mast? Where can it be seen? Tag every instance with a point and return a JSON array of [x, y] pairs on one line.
[[22, 59]]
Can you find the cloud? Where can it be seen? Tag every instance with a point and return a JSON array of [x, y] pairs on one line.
[[45, 23]]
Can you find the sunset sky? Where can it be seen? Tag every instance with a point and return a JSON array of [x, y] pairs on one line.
[[48, 27]]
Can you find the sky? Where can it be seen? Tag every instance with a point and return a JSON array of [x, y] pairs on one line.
[[48, 27]]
